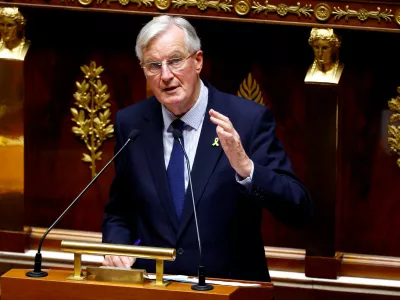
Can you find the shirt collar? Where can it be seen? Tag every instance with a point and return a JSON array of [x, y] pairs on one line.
[[194, 116]]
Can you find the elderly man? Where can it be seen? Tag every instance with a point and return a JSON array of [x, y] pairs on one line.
[[238, 166]]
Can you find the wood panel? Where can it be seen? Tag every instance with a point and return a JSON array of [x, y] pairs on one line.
[[55, 174]]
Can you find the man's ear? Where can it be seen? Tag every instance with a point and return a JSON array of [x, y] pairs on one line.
[[199, 61]]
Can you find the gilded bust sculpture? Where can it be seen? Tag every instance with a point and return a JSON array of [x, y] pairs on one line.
[[326, 68], [12, 25]]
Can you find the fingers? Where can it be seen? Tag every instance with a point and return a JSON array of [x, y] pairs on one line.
[[118, 261], [225, 127], [127, 261]]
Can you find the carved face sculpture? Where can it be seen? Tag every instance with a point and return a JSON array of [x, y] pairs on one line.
[[8, 29], [323, 51]]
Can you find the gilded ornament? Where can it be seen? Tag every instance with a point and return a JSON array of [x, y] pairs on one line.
[[322, 12], [147, 3], [325, 68], [93, 116], [282, 9], [362, 14], [394, 128], [397, 17], [85, 2], [204, 4], [162, 4], [242, 7], [250, 90], [13, 44]]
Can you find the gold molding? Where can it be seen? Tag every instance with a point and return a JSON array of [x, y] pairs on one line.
[[282, 9], [322, 12], [147, 3], [362, 14], [242, 7], [85, 2], [162, 4], [204, 4], [394, 129], [397, 16], [93, 128], [250, 90]]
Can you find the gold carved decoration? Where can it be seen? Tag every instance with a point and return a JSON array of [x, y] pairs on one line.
[[147, 3], [204, 4], [242, 7], [322, 12], [362, 14], [397, 17], [394, 130], [250, 89], [13, 44], [93, 128], [325, 68], [163, 4], [282, 9]]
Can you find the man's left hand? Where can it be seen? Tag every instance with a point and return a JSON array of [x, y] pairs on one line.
[[231, 144]]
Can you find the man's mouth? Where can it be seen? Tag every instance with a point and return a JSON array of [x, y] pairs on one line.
[[170, 89]]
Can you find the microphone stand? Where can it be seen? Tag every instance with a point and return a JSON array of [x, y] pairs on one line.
[[201, 285]]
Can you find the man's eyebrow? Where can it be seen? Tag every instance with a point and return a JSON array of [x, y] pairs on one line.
[[173, 54]]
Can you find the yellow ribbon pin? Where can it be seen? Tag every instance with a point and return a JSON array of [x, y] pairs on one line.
[[215, 144]]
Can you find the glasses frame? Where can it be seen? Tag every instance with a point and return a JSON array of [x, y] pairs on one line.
[[184, 60]]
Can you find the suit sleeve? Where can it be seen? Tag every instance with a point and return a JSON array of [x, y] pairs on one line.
[[274, 184], [118, 225]]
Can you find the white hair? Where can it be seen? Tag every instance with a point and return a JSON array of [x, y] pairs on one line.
[[161, 24]]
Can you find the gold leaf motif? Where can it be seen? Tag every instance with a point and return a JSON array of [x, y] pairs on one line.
[[93, 117], [250, 90], [204, 4], [282, 9], [86, 158], [362, 14], [394, 129]]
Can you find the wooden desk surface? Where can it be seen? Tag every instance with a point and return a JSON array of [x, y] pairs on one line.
[[15, 285]]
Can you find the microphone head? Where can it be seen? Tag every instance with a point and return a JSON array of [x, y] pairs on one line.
[[177, 134], [134, 134]]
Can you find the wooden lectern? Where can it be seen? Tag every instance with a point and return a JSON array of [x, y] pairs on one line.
[[15, 285]]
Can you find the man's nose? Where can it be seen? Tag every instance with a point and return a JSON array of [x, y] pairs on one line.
[[166, 73]]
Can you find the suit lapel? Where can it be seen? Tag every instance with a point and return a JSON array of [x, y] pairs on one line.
[[204, 164], [155, 157]]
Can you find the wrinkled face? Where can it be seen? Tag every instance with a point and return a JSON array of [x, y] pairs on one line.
[[171, 71], [8, 29], [323, 51]]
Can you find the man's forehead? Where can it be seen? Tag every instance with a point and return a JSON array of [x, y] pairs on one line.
[[164, 50]]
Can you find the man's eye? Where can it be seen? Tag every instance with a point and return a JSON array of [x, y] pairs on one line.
[[174, 61], [155, 65]]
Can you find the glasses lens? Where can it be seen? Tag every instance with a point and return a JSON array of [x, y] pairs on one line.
[[176, 63]]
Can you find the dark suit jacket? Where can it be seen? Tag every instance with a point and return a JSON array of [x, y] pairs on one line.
[[229, 215]]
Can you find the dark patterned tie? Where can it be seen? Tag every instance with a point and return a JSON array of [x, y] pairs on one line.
[[175, 171]]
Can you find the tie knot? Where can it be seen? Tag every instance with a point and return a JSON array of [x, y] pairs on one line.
[[177, 124]]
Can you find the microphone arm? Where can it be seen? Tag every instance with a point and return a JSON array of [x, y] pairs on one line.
[[201, 285], [37, 269]]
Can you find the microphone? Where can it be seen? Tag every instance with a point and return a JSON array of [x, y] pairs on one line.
[[201, 285], [37, 269]]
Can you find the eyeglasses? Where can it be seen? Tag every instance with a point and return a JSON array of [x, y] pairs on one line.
[[173, 64]]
